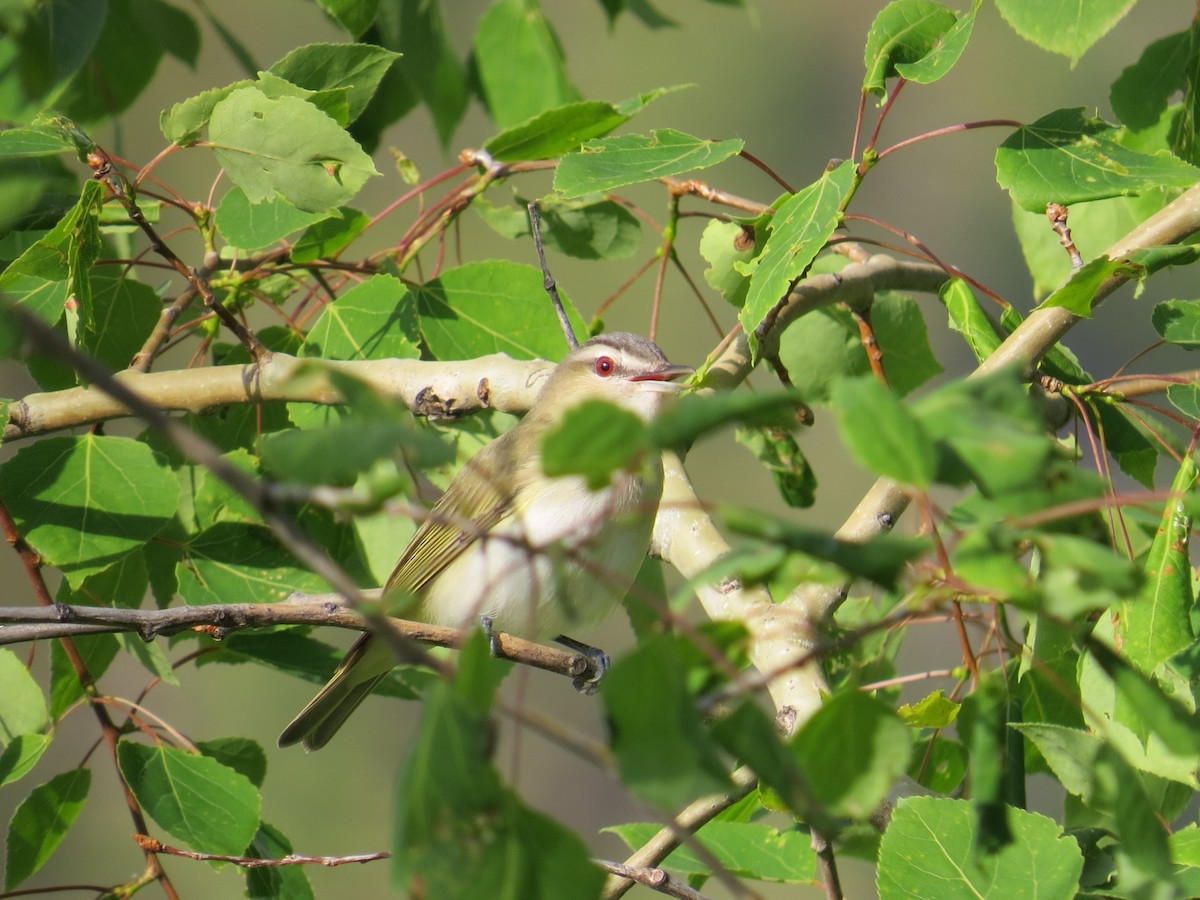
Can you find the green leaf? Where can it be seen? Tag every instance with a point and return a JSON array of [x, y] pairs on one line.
[[881, 434], [1066, 158], [728, 247], [329, 237], [241, 754], [744, 849], [946, 51], [274, 882], [599, 230], [34, 140], [992, 427], [491, 307], [558, 131], [663, 753], [968, 318], [779, 453], [183, 123], [880, 559], [460, 833], [695, 415], [65, 254], [358, 68], [1178, 322], [1156, 624], [125, 312], [1071, 754], [203, 803], [601, 165], [938, 763], [286, 146], [594, 439], [431, 71], [1177, 726], [355, 16], [22, 704], [927, 851], [519, 62], [47, 46], [851, 751], [252, 225], [1140, 94], [113, 77], [375, 319], [932, 711], [1068, 29], [85, 502], [171, 28], [308, 659], [750, 736], [909, 32], [21, 755], [1077, 295], [1080, 575], [340, 452], [826, 345], [798, 230], [97, 651], [244, 562], [41, 822]]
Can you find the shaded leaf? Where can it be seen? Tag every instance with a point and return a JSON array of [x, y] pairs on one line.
[[203, 803], [41, 822], [491, 307], [663, 753], [358, 68], [907, 32], [881, 434], [519, 62], [852, 750], [85, 502], [22, 704]]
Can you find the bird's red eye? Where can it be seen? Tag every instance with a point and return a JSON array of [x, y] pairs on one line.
[[605, 366]]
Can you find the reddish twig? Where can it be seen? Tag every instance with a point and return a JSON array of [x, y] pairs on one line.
[[154, 845], [112, 735]]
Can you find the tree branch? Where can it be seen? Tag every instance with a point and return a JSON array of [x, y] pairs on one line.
[[433, 389], [20, 624]]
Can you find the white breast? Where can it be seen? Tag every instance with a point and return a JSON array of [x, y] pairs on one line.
[[561, 563]]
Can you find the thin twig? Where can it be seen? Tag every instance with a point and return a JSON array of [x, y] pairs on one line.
[[249, 862], [104, 171], [548, 282], [19, 624], [649, 876]]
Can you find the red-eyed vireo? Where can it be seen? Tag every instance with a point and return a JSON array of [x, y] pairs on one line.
[[527, 554]]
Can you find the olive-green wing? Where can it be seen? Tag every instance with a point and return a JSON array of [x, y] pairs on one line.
[[471, 506]]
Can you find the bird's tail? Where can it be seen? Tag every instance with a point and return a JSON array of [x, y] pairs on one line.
[[363, 667]]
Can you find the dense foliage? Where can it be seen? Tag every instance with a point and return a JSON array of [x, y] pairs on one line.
[[298, 382]]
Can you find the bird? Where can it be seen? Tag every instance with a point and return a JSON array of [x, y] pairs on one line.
[[517, 550]]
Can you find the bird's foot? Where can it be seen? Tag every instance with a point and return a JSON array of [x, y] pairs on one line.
[[493, 637], [587, 684]]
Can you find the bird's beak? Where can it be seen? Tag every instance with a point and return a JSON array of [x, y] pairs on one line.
[[663, 378]]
